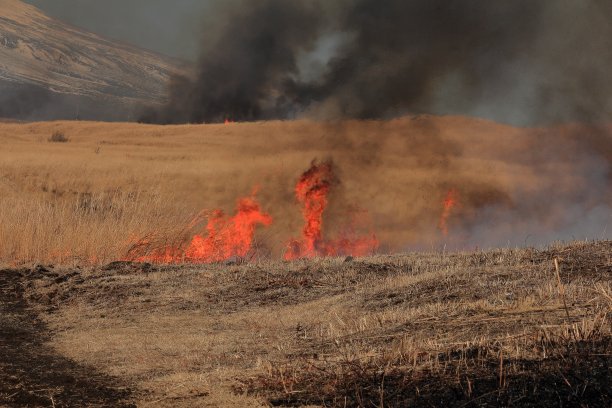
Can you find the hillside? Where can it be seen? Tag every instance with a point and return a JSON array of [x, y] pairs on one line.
[[51, 70]]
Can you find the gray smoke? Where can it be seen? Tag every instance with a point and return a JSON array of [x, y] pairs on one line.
[[167, 27], [518, 61]]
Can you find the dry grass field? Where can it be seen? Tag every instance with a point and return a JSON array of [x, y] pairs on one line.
[[487, 328], [430, 320], [87, 200]]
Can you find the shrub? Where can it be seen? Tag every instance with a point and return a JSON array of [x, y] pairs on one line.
[[58, 137]]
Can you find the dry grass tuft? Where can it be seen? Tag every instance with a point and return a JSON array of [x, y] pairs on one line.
[[540, 368], [58, 137]]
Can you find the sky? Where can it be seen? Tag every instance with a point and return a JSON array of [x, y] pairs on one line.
[[167, 27]]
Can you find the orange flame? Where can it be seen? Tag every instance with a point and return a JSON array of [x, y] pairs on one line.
[[225, 237], [312, 192], [450, 202], [228, 238]]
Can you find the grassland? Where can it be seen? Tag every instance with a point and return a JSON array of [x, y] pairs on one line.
[[488, 328], [86, 201], [479, 327]]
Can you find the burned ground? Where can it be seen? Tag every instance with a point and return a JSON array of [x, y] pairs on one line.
[[486, 328], [32, 374]]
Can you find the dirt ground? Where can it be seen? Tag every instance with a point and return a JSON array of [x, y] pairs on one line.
[[31, 372], [486, 328]]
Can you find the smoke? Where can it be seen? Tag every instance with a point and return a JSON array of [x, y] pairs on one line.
[[511, 185], [520, 62], [542, 64], [562, 189], [169, 28], [23, 101], [247, 59]]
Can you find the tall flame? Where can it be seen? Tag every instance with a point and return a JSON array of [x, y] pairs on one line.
[[450, 202], [312, 190]]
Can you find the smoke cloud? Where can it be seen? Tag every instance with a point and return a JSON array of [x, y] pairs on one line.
[[542, 64], [521, 62], [169, 28]]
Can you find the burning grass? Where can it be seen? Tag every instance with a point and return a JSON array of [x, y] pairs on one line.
[[232, 238], [222, 239], [312, 191], [128, 191]]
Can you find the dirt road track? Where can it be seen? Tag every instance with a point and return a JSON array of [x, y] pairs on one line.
[[31, 373]]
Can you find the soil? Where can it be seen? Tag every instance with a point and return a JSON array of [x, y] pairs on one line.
[[32, 374]]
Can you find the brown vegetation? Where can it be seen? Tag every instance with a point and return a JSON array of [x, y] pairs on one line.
[[474, 328], [486, 328], [58, 137], [88, 201]]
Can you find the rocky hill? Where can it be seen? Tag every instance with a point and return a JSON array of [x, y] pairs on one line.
[[52, 70]]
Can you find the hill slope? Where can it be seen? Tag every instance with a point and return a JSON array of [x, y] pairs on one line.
[[51, 70]]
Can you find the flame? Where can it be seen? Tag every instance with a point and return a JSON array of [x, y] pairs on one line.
[[312, 190], [225, 237], [450, 202]]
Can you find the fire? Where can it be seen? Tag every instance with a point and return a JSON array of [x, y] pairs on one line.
[[312, 190], [225, 238], [450, 202]]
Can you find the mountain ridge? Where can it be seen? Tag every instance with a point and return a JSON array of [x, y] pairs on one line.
[[52, 70]]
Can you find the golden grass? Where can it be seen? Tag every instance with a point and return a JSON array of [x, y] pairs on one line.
[[87, 200]]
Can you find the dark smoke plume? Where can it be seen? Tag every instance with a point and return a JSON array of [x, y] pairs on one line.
[[519, 61], [244, 67]]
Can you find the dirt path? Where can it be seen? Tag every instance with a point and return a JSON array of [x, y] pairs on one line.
[[31, 373]]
